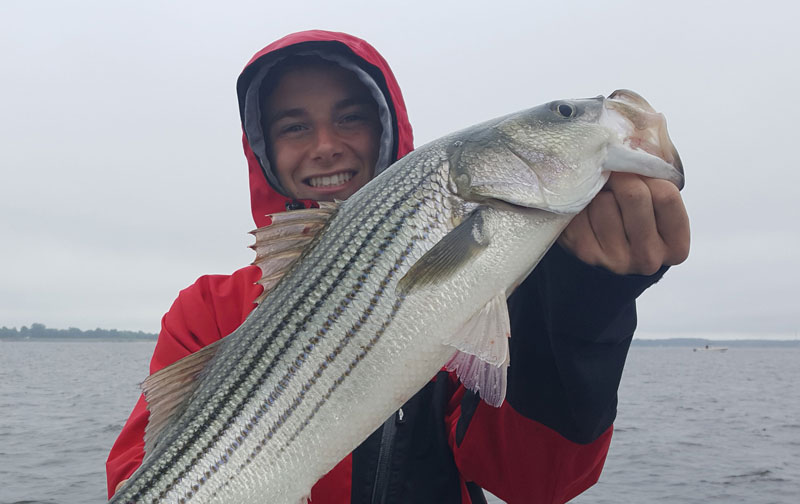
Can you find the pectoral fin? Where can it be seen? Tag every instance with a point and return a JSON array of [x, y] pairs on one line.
[[445, 258], [482, 359]]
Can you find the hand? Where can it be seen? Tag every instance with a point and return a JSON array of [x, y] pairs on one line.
[[633, 226]]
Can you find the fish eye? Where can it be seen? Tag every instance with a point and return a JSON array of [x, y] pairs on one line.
[[565, 109]]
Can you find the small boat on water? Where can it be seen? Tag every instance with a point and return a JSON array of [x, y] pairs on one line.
[[711, 349]]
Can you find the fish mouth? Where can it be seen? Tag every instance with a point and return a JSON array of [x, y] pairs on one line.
[[645, 129]]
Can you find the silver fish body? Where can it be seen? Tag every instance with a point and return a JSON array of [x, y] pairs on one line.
[[367, 315]]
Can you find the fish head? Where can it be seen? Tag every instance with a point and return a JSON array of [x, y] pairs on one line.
[[557, 156]]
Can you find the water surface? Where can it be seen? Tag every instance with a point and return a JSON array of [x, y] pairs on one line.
[[692, 427]]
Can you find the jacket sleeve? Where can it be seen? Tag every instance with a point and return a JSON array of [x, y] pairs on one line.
[[203, 313], [571, 327]]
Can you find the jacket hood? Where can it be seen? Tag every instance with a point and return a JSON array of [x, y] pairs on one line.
[[351, 53]]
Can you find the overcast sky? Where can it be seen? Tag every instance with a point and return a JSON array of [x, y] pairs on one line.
[[122, 177]]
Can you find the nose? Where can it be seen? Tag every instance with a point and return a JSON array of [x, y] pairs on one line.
[[327, 144]]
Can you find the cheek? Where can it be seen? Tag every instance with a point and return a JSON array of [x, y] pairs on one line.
[[283, 160]]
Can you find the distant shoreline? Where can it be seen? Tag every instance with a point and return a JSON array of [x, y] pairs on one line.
[[713, 343], [39, 332]]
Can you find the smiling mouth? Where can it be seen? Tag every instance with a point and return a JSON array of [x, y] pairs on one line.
[[334, 180]]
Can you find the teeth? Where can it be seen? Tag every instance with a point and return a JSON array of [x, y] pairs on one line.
[[332, 180]]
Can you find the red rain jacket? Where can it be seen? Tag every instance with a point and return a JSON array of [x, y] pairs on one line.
[[546, 443]]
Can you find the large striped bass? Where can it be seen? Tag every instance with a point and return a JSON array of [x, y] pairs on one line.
[[365, 300]]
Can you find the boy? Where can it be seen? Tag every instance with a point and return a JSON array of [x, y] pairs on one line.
[[322, 114]]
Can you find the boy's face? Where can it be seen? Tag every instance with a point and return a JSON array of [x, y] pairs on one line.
[[323, 132]]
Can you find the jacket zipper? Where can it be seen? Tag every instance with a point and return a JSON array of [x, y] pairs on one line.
[[381, 487]]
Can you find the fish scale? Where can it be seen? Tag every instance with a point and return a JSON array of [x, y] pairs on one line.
[[358, 323]]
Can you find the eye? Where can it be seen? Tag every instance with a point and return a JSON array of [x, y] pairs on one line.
[[565, 109], [289, 129]]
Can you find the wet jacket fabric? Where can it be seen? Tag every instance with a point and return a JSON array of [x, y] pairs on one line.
[[571, 327]]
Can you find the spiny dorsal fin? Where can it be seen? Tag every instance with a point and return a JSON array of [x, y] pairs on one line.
[[279, 244], [457, 248], [482, 359], [167, 392]]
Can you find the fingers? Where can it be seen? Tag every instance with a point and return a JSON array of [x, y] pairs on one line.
[[606, 222], [645, 247], [579, 239], [671, 219]]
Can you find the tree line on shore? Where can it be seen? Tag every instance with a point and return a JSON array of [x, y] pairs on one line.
[[39, 331]]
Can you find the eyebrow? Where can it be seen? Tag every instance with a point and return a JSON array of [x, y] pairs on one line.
[[282, 114], [299, 111], [356, 100]]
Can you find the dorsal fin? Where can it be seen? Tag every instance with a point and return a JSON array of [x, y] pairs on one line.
[[167, 392], [279, 244]]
